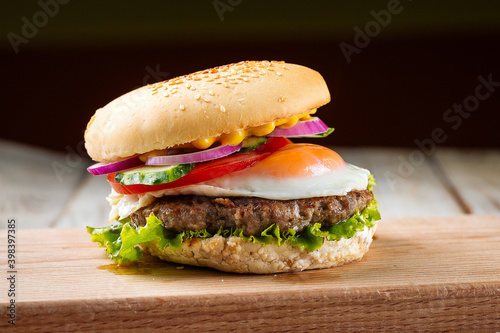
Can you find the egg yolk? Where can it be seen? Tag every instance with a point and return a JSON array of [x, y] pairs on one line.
[[298, 160]]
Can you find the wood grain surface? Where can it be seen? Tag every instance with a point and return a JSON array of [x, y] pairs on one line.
[[428, 274]]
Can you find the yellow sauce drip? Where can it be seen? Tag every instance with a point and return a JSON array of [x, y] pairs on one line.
[[237, 137]]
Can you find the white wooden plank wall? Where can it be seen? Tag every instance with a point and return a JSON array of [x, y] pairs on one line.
[[476, 177], [36, 184], [41, 188], [88, 205], [403, 189]]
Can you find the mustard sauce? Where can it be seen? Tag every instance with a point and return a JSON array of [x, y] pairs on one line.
[[235, 138]]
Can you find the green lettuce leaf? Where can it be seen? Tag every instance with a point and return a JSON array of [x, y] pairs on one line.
[[371, 183], [355, 223], [121, 240], [309, 240]]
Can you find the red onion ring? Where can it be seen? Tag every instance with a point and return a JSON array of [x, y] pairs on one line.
[[196, 157], [302, 128], [105, 168]]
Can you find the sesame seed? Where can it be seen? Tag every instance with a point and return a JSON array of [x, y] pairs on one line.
[[206, 99], [278, 73], [282, 99], [197, 96], [222, 108], [192, 88], [245, 79], [181, 107], [225, 84], [211, 93], [188, 85]]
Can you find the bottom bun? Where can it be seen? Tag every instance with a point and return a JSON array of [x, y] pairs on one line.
[[235, 255]]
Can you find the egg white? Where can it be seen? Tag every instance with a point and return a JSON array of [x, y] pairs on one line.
[[335, 182]]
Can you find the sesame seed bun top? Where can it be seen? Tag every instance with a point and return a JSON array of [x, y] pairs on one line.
[[203, 104]]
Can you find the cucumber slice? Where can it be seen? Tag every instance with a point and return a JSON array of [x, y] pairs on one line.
[[251, 143], [153, 175]]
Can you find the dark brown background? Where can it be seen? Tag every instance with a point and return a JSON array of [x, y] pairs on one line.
[[395, 91]]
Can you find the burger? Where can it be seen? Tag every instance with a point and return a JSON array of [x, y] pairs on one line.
[[203, 172]]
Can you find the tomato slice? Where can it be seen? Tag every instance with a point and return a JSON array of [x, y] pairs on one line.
[[273, 144], [208, 170]]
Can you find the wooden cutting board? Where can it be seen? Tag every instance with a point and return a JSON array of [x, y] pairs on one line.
[[437, 274]]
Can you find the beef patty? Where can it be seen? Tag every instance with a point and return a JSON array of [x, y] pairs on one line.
[[253, 215]]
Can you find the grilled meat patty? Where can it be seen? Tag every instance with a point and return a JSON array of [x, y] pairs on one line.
[[253, 215]]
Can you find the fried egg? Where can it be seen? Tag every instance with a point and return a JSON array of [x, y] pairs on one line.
[[295, 171]]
